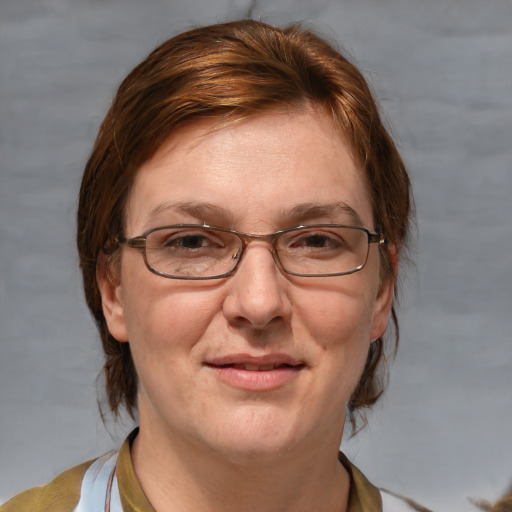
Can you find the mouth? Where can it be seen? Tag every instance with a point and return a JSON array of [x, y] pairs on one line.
[[253, 363], [256, 373], [249, 367]]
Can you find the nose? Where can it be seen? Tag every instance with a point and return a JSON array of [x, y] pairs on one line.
[[257, 295]]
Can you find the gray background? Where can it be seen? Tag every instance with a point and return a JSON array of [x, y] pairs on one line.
[[443, 72]]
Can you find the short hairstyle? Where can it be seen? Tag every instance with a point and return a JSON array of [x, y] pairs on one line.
[[228, 72]]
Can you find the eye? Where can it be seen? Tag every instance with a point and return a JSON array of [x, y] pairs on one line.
[[185, 240], [316, 240], [188, 241]]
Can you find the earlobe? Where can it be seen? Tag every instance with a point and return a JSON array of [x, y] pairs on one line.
[[385, 296], [111, 299]]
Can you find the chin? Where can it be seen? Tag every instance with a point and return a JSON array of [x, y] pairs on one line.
[[258, 449], [256, 434]]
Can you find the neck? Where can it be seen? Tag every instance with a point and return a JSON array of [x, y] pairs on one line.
[[181, 477]]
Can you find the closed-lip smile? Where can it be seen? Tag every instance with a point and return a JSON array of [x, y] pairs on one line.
[[255, 373]]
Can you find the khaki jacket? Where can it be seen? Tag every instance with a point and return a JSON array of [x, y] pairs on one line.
[[63, 494]]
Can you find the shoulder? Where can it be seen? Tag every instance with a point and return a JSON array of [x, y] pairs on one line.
[[60, 495], [365, 497], [393, 502]]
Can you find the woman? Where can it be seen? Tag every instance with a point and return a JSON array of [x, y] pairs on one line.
[[240, 223]]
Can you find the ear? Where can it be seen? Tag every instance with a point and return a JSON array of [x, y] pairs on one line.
[[385, 296], [109, 284]]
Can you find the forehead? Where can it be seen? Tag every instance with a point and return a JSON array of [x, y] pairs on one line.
[[257, 169]]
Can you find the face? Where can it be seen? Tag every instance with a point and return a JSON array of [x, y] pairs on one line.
[[262, 360]]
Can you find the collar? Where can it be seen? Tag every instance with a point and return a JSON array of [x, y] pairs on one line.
[[363, 497]]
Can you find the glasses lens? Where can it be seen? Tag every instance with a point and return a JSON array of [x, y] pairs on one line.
[[192, 252], [323, 250]]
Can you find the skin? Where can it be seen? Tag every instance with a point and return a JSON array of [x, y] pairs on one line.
[[205, 444]]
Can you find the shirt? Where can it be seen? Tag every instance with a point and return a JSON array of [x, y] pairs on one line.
[[72, 491]]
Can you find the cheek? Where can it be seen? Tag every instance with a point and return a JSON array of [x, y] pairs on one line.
[[164, 327], [340, 324], [338, 317], [164, 315]]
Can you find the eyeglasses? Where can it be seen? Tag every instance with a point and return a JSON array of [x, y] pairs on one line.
[[190, 251]]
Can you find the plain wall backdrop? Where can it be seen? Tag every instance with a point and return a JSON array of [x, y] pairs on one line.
[[442, 70]]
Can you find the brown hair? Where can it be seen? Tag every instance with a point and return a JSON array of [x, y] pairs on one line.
[[227, 72]]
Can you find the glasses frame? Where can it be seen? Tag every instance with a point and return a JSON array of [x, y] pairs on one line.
[[140, 243]]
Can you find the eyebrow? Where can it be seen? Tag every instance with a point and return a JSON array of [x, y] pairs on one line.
[[299, 213], [195, 209], [305, 211]]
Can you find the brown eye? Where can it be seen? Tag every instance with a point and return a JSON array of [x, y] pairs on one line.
[[317, 240], [188, 242]]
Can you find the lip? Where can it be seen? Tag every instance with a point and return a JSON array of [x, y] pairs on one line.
[[256, 373]]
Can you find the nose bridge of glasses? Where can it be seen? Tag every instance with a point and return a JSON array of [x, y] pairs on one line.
[[249, 238], [269, 239]]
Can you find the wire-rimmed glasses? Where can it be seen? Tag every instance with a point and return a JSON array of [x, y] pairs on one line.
[[192, 251]]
